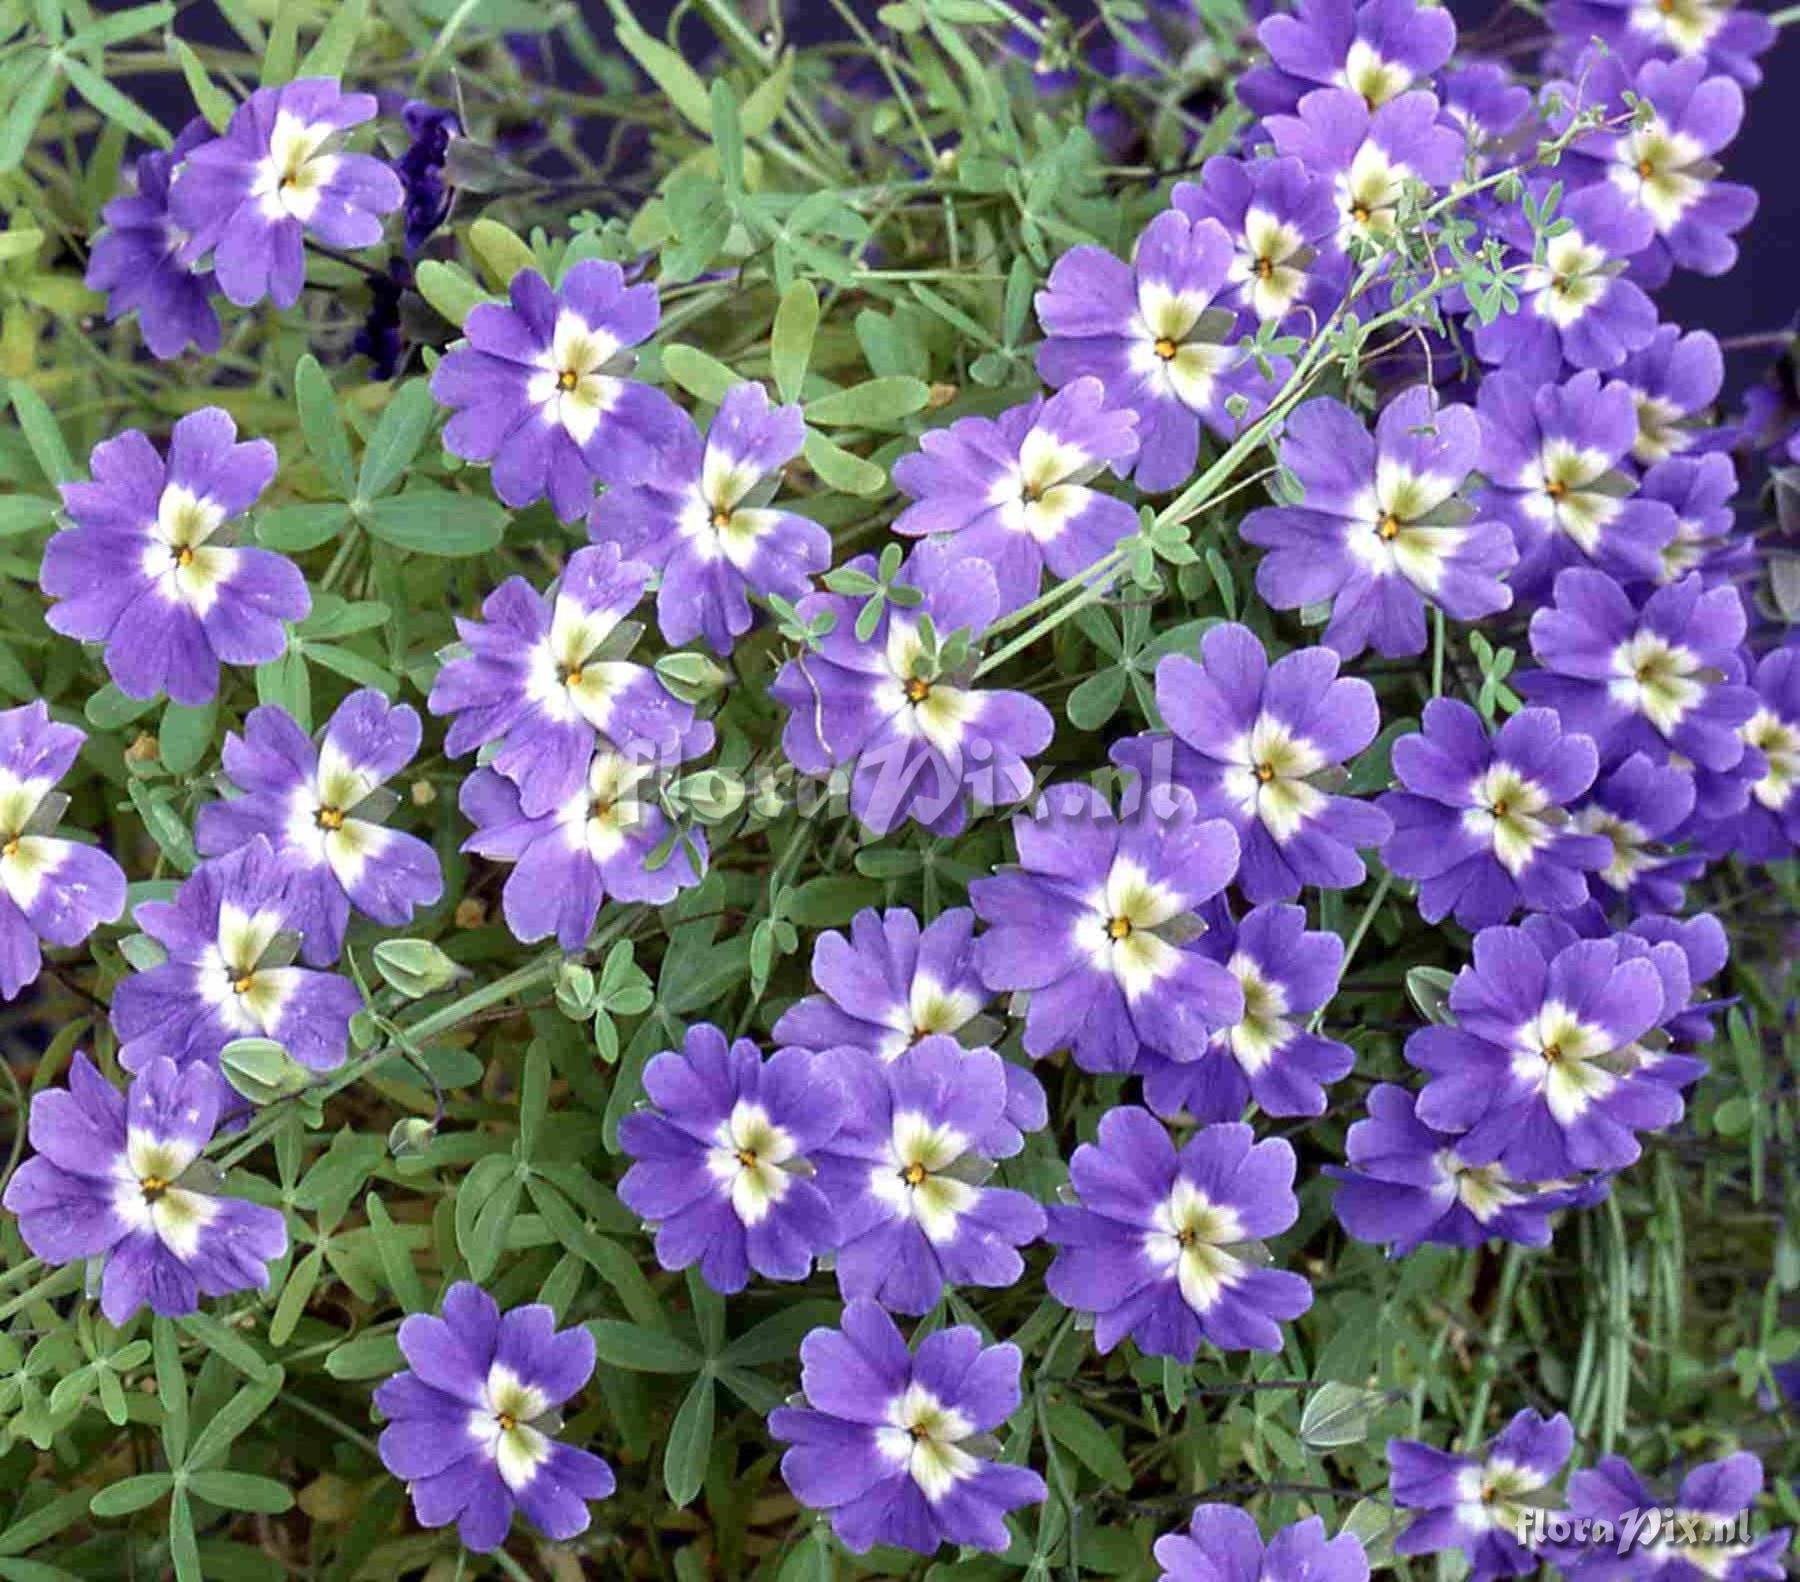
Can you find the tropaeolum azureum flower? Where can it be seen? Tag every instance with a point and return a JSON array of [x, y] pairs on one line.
[[145, 572], [1222, 1544], [472, 1420], [121, 1177], [1376, 48], [320, 806], [895, 1444]]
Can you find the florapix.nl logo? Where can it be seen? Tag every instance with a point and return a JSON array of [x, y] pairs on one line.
[[1652, 1527]]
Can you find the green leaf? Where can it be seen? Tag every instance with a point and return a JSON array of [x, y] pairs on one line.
[[293, 529], [164, 826], [1088, 1442], [295, 1294], [109, 709], [112, 104], [234, 1417], [405, 422], [131, 1494], [1097, 699], [45, 1522], [791, 341], [690, 1443], [184, 1548], [840, 469], [242, 1491], [680, 83], [322, 426], [397, 1265], [212, 101], [333, 48], [872, 404], [642, 1350], [697, 373], [347, 662], [769, 98], [365, 1357], [186, 734], [284, 46], [39, 88], [228, 1343], [727, 135], [427, 521], [24, 513], [42, 434], [501, 249], [284, 681], [1339, 1414], [830, 900], [451, 289]]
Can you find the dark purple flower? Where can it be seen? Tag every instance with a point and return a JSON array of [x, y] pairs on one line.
[[1251, 741], [320, 805], [1673, 380], [1660, 678], [421, 168], [119, 1176], [472, 1420], [1532, 1070], [1553, 456], [1268, 1056], [891, 985], [1716, 1494], [1724, 37], [1222, 1544], [1479, 1505], [1482, 822], [703, 519], [1165, 1246], [136, 259], [378, 337], [597, 845], [894, 1445], [906, 1175], [722, 1163], [1666, 167], [1700, 491], [1575, 307], [54, 891], [1639, 808], [142, 570], [274, 177], [1377, 49], [1157, 335], [539, 388], [1407, 1185], [919, 743], [1488, 101], [1381, 530], [1093, 921], [545, 675], [229, 937], [1013, 490], [1768, 829], [1286, 266], [1370, 155]]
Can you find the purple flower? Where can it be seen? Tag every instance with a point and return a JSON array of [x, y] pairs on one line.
[[1673, 380], [544, 674], [1639, 808], [1166, 1247], [276, 176], [703, 519], [1222, 1544], [1382, 531], [894, 1444], [1482, 822], [421, 168], [1370, 155], [539, 388], [1156, 336], [596, 845], [229, 937], [1479, 1505], [891, 985], [722, 1162], [54, 891], [1286, 266], [1699, 490], [919, 742], [1575, 307], [1250, 740], [1724, 37], [1490, 104], [136, 259], [1013, 490], [1537, 1069], [1660, 678], [1552, 456], [471, 1420], [1408, 1185], [1716, 1493], [1377, 49], [1268, 1056], [143, 572], [906, 1176], [1092, 924], [1768, 829], [120, 1176], [320, 805], [1666, 167]]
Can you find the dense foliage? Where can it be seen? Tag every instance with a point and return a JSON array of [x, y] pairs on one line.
[[983, 793]]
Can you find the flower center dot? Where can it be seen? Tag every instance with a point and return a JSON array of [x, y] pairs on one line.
[[244, 984], [1360, 215], [1265, 772], [1500, 807], [1556, 488], [568, 379], [1552, 1054], [1646, 169], [507, 1421], [1388, 528], [914, 1174], [917, 691], [747, 1158], [1265, 267], [11, 848], [153, 1187], [329, 818], [721, 518], [569, 675], [917, 1432], [1166, 348], [185, 555], [1118, 928]]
